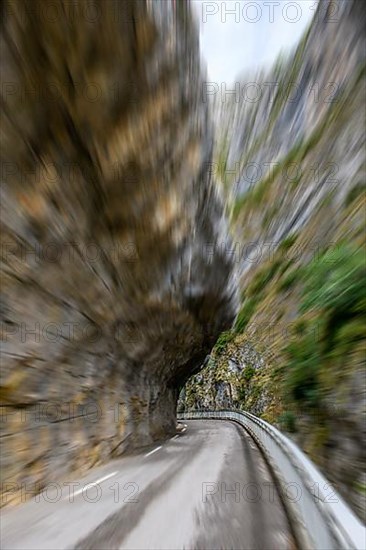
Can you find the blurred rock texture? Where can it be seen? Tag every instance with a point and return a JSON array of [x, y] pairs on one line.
[[113, 288], [296, 355]]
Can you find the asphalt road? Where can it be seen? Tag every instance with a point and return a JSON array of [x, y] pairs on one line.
[[206, 488]]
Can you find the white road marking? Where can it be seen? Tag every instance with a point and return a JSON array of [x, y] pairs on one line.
[[89, 485], [153, 451]]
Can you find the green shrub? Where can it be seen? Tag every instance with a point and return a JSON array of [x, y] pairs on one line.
[[302, 372], [263, 277], [356, 191], [222, 342], [288, 281], [333, 291], [335, 282], [248, 372], [285, 265], [287, 421], [242, 391], [288, 242], [245, 314]]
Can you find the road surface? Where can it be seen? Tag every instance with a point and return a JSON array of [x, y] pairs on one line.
[[205, 488]]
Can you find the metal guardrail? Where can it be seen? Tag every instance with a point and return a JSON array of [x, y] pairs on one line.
[[319, 516]]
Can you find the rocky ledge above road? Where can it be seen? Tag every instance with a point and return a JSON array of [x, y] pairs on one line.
[[116, 280]]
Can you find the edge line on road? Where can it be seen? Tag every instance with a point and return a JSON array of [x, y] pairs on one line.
[[92, 484], [153, 451]]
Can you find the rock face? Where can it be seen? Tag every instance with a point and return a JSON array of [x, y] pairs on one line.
[[113, 287], [225, 382], [293, 167]]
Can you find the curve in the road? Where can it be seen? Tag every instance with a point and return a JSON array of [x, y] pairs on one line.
[[207, 488]]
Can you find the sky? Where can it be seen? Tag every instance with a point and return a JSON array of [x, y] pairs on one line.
[[250, 37]]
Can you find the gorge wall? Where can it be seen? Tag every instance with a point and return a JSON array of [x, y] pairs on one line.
[[111, 294], [291, 158]]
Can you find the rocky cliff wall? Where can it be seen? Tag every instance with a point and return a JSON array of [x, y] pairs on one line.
[[293, 166], [111, 294]]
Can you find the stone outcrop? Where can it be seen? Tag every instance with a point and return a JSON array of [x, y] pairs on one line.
[[113, 286]]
